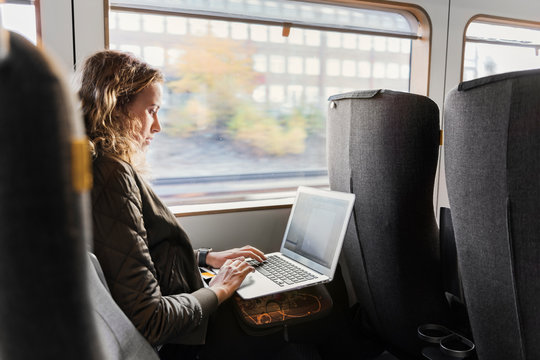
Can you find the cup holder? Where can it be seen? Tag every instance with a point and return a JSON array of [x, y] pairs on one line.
[[450, 343]]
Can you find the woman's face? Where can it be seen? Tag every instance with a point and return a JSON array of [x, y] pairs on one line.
[[144, 107]]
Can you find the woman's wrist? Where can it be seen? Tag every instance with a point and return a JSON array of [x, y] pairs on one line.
[[222, 293], [211, 260], [202, 256]]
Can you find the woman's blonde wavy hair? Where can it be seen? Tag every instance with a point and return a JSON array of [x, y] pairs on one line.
[[109, 82]]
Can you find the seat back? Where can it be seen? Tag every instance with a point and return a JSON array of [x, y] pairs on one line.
[[492, 157], [44, 303], [383, 146], [119, 337], [49, 297]]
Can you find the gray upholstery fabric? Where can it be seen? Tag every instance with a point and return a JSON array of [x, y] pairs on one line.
[[119, 337], [383, 146], [52, 305], [492, 156], [44, 303]]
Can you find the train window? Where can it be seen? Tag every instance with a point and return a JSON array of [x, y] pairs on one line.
[[488, 41], [20, 16], [247, 83]]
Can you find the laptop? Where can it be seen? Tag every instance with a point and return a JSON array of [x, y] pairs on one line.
[[311, 243]]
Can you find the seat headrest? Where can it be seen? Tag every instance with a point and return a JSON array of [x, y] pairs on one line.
[[471, 84]]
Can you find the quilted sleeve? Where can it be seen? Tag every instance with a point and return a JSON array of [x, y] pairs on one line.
[[121, 246]]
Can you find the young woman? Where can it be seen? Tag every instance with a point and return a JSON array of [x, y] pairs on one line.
[[148, 261]]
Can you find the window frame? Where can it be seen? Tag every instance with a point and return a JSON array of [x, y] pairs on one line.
[[419, 67], [37, 10], [495, 20]]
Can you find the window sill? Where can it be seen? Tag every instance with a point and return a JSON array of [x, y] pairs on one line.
[[231, 207]]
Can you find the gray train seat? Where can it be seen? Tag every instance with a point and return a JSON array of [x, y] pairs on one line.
[[118, 336], [492, 156], [383, 145], [52, 305]]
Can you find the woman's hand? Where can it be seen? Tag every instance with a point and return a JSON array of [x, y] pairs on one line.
[[229, 278], [218, 258]]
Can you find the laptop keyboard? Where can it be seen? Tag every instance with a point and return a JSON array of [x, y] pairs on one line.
[[281, 271]]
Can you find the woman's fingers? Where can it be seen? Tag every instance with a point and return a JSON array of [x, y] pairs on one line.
[[237, 264], [230, 277], [241, 264], [218, 258], [252, 252]]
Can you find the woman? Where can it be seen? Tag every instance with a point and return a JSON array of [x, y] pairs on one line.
[[146, 256]]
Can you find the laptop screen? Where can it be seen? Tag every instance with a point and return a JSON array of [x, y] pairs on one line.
[[316, 227]]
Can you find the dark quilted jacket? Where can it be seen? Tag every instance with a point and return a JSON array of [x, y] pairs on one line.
[[147, 258]]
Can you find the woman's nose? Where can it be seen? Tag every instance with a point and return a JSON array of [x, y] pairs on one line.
[[156, 126]]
